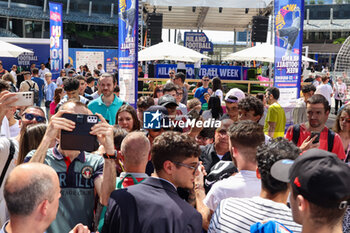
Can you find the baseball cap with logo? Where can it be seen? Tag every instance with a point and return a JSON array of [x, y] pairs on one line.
[[234, 95], [319, 176], [167, 100]]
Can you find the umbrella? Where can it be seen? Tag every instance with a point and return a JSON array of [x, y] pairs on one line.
[[169, 51], [262, 52], [10, 50]]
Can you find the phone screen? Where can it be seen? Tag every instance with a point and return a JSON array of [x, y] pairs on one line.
[[317, 139], [80, 138]]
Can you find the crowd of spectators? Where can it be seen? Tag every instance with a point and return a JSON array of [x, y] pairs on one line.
[[244, 171]]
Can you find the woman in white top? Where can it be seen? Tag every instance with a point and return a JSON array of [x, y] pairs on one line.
[[217, 88], [340, 92], [59, 81], [214, 109]]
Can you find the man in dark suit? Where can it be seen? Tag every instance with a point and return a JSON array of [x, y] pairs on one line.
[[154, 205]]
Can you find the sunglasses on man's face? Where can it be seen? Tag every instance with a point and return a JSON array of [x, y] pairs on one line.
[[206, 80], [30, 117]]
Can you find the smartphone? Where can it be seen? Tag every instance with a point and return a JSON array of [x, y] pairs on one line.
[[80, 138], [24, 99], [317, 139]]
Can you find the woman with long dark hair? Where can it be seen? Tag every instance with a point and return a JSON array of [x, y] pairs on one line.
[[214, 109], [217, 88], [342, 127], [56, 99], [30, 139], [127, 118]]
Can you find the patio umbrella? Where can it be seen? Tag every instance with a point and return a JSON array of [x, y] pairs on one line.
[[262, 52], [10, 50], [170, 51]]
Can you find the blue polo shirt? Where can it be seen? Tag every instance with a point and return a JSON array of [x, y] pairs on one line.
[[110, 112], [200, 94]]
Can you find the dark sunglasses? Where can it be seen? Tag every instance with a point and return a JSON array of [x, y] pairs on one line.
[[30, 117], [206, 80]]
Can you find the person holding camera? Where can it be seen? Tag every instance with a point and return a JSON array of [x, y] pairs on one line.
[[314, 133], [80, 173]]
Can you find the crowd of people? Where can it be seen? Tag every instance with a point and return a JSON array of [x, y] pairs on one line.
[[249, 173]]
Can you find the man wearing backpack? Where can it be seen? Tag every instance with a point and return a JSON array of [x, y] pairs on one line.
[[41, 83], [317, 109], [29, 85]]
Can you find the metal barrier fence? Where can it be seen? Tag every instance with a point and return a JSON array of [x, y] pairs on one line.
[[158, 81]]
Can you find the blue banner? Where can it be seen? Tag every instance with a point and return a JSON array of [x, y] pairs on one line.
[[127, 50], [198, 41], [56, 38], [40, 55], [289, 15], [223, 72]]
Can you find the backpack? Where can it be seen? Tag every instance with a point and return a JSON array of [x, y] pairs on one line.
[[12, 151], [35, 91], [296, 134]]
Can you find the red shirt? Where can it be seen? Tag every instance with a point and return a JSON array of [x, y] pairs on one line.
[[338, 148]]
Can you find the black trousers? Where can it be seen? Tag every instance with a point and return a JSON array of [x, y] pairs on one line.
[[336, 105]]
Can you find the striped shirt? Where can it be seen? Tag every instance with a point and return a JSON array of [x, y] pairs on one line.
[[238, 214]]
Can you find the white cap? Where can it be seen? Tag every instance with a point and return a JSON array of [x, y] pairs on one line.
[[239, 94]]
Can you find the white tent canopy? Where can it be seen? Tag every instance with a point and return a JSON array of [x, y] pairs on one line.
[[262, 52], [170, 51], [10, 50]]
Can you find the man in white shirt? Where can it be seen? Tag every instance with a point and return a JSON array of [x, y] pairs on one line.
[[13, 73], [238, 214], [325, 89], [43, 70], [100, 68], [245, 137]]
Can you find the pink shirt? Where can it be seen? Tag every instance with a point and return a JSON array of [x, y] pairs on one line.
[[52, 108]]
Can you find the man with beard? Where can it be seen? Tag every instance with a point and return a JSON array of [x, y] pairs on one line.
[[108, 103], [317, 109]]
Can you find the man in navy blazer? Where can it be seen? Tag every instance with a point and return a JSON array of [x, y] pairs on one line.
[[154, 205]]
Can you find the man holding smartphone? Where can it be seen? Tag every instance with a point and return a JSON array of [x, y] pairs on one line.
[[79, 172], [307, 134]]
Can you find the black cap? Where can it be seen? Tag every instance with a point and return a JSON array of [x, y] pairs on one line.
[[319, 176], [167, 101]]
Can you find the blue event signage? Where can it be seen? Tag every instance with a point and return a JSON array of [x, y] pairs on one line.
[[198, 41], [223, 72], [127, 50], [41, 53], [56, 38], [289, 16]]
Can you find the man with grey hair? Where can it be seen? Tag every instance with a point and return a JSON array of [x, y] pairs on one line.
[[108, 103], [32, 194], [134, 156]]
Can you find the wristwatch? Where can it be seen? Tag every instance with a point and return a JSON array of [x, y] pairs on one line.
[[110, 156]]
